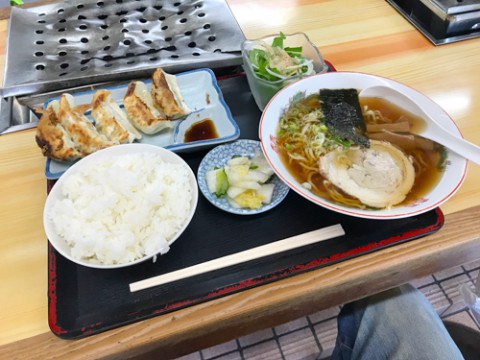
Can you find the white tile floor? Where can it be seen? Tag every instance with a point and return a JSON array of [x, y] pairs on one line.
[[313, 336]]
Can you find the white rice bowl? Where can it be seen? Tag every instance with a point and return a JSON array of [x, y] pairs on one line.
[[120, 206]]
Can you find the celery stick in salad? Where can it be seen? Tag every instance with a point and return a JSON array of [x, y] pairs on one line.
[[276, 62]]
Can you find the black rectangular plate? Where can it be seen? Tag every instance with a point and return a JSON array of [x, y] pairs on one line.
[[84, 301]]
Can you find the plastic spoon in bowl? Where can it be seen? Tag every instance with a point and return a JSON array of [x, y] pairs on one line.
[[433, 131]]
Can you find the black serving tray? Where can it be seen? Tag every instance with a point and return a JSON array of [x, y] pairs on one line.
[[85, 301]]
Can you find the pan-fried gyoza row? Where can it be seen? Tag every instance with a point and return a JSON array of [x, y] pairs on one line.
[[64, 132]]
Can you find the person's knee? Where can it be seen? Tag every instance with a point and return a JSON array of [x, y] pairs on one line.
[[402, 296]]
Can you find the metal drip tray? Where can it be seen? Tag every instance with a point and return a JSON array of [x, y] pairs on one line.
[[442, 21], [89, 41], [79, 44]]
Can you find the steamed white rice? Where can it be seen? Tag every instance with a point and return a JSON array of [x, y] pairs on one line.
[[122, 208]]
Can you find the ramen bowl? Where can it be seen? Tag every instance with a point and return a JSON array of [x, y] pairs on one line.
[[445, 186]]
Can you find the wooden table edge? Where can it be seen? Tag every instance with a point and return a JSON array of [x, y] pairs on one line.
[[200, 326]]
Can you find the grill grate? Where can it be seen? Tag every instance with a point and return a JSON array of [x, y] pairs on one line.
[[83, 41], [442, 21]]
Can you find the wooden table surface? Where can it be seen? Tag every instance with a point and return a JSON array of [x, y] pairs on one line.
[[367, 36]]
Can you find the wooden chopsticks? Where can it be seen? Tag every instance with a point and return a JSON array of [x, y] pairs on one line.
[[276, 247]]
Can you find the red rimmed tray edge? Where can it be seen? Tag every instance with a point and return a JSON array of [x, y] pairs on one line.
[[231, 289], [240, 286]]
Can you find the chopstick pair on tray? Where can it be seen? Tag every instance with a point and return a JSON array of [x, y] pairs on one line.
[[276, 247]]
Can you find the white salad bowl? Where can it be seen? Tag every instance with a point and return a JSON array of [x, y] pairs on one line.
[[449, 182], [58, 193]]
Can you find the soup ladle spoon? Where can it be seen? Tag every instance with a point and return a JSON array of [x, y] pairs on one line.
[[433, 131]]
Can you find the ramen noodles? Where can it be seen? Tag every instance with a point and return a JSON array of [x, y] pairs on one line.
[[306, 141]]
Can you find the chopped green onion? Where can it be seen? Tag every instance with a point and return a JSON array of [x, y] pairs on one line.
[[344, 143]]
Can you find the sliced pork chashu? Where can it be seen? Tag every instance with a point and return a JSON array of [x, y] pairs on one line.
[[380, 176], [111, 120]]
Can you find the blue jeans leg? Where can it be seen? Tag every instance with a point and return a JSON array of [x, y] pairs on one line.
[[396, 324]]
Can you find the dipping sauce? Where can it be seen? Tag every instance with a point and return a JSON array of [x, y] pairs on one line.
[[201, 130]]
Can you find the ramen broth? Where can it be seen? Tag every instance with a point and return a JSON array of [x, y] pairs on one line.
[[424, 182]]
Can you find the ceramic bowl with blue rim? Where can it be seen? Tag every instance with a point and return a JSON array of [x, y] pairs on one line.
[[218, 158]]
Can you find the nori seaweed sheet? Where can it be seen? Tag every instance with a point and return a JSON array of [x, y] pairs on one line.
[[343, 115]]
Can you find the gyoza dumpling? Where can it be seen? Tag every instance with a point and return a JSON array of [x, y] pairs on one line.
[[111, 120], [82, 132], [142, 113], [53, 139], [166, 94]]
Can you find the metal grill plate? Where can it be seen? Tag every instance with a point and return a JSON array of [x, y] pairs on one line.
[[444, 8], [442, 21], [83, 42]]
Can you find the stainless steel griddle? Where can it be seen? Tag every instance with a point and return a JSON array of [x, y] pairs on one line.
[[80, 43], [442, 21]]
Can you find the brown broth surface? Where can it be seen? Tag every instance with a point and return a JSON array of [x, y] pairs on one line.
[[424, 182], [431, 175]]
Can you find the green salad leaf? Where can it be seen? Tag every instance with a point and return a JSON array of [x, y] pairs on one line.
[[278, 41], [275, 62]]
